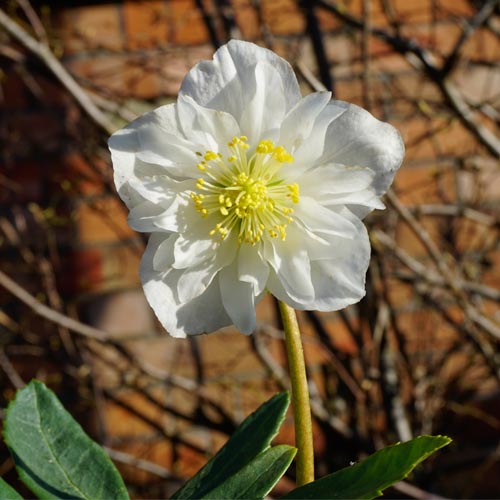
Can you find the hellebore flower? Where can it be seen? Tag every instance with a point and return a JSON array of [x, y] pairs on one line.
[[248, 187]]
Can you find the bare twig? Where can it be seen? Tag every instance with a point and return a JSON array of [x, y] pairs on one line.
[[47, 57], [281, 376], [316, 37], [482, 15], [34, 21], [309, 77], [428, 61], [467, 116], [48, 313], [416, 492], [10, 370], [145, 465]]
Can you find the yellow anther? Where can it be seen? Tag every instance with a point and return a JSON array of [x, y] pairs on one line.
[[266, 146], [282, 155], [210, 155], [246, 194], [294, 192]]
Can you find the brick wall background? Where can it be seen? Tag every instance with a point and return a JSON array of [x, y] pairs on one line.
[[417, 355]]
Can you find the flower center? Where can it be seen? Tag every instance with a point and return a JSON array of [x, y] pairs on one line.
[[247, 194]]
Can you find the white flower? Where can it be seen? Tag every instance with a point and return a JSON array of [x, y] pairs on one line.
[[248, 187]]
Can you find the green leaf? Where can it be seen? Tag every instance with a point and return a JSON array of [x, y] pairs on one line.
[[7, 492], [53, 455], [252, 437], [256, 479], [370, 477]]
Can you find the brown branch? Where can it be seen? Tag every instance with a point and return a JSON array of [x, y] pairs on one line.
[[471, 25], [10, 371], [467, 116], [407, 46], [139, 463], [424, 273], [34, 21], [318, 408], [48, 313], [415, 492], [47, 57]]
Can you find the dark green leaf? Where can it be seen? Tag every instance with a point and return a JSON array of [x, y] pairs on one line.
[[252, 437], [7, 492], [256, 479], [52, 453], [370, 477]]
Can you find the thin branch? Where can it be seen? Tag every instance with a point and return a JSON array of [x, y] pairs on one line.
[[47, 57], [458, 211], [145, 465], [309, 77], [471, 25], [424, 273], [467, 116], [415, 492], [316, 36], [34, 21], [318, 408], [48, 313], [10, 371], [408, 46]]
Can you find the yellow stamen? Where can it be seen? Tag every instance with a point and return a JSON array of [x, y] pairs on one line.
[[246, 194]]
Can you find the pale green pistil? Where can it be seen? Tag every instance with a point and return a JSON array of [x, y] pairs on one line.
[[247, 194]]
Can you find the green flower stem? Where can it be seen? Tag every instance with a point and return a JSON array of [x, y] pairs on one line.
[[300, 396]]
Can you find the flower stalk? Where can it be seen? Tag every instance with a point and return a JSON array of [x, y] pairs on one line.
[[300, 396]]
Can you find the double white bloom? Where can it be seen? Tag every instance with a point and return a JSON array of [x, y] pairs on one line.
[[248, 187]]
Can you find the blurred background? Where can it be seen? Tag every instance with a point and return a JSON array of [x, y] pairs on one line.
[[418, 355]]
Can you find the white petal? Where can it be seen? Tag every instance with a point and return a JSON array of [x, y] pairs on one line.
[[177, 216], [123, 145], [276, 288], [361, 199], [334, 245], [340, 282], [196, 278], [307, 155], [251, 268], [338, 279], [191, 252], [335, 179], [238, 299], [356, 138], [290, 261], [298, 123], [160, 190], [320, 219], [203, 314], [210, 129], [163, 257], [144, 216], [265, 108], [162, 142], [227, 82]]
